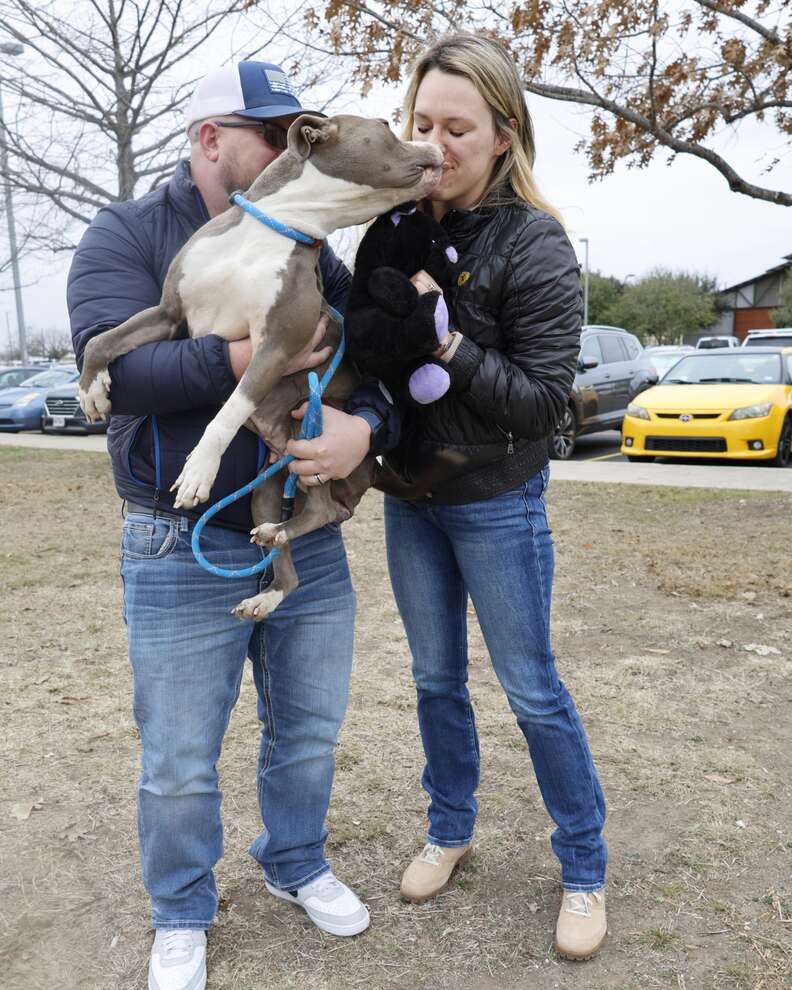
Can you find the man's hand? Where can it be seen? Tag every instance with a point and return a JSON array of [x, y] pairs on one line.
[[336, 452], [241, 351]]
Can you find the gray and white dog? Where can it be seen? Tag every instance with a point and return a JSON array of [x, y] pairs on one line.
[[238, 278]]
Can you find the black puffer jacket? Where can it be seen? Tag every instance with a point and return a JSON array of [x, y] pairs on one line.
[[518, 305]]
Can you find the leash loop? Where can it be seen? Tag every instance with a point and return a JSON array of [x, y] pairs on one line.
[[311, 428]]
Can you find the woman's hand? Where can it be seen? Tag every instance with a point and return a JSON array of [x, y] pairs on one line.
[[424, 282], [241, 351], [336, 452]]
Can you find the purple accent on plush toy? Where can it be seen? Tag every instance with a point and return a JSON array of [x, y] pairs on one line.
[[399, 213], [451, 254], [441, 318], [428, 383]]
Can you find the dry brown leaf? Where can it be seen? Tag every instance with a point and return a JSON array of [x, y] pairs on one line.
[[720, 778]]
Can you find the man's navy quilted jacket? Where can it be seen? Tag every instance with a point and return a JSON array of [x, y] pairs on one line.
[[119, 269]]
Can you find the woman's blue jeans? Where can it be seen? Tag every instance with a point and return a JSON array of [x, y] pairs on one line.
[[188, 654], [500, 552]]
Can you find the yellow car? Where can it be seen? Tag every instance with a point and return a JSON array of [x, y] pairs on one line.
[[734, 403]]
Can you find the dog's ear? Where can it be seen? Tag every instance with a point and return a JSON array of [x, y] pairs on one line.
[[309, 130]]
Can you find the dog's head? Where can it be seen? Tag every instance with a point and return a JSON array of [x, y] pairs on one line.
[[362, 165]]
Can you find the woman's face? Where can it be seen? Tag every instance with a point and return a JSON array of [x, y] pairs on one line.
[[451, 113]]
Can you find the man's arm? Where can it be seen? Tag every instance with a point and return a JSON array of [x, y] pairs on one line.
[[112, 277]]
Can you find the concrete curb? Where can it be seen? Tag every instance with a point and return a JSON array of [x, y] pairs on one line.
[[679, 475]]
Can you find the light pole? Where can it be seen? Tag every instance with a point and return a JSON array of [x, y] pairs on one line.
[[12, 48], [585, 240]]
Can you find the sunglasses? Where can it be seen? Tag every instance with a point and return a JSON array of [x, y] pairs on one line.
[[273, 134]]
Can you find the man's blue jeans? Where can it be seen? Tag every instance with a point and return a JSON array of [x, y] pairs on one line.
[[500, 552], [188, 653]]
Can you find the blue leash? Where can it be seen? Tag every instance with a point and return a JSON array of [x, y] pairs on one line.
[[311, 427], [311, 424]]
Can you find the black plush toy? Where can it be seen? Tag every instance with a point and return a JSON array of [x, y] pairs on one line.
[[392, 330]]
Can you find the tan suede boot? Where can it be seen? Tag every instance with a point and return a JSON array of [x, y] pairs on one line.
[[582, 924], [430, 872]]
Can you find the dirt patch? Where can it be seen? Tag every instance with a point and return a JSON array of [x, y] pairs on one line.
[[672, 629]]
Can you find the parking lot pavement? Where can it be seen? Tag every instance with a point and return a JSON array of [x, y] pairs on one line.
[[602, 446]]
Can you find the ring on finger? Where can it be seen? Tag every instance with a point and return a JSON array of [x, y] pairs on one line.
[[319, 479]]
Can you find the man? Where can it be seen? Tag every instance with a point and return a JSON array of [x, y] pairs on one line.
[[187, 651]]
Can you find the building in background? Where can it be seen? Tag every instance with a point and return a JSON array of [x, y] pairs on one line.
[[749, 303]]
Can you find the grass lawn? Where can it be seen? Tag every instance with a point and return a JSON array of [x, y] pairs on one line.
[[672, 627]]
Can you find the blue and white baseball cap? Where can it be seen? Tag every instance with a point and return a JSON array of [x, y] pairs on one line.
[[248, 89]]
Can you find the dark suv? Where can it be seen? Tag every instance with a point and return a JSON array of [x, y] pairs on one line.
[[612, 369]]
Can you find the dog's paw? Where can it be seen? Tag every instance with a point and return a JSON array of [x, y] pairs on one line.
[[95, 397], [269, 535], [258, 607], [195, 482]]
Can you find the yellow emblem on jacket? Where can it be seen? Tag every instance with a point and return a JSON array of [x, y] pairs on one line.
[[463, 277]]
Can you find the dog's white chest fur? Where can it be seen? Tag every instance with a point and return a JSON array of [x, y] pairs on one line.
[[230, 281]]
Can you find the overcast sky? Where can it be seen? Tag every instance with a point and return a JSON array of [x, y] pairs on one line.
[[680, 216]]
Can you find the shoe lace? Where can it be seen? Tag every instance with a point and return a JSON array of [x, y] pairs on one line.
[[327, 884], [431, 854], [578, 902], [177, 942]]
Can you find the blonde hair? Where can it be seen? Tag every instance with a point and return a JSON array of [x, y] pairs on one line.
[[491, 70]]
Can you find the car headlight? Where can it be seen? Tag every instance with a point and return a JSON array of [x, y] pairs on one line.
[[752, 412], [637, 412], [26, 399]]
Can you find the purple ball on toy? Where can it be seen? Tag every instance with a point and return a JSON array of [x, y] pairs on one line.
[[429, 383]]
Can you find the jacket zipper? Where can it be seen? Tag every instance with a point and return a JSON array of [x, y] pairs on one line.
[[510, 438]]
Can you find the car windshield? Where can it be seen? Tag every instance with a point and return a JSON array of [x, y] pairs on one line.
[[782, 341], [664, 360], [49, 379], [12, 377], [705, 369]]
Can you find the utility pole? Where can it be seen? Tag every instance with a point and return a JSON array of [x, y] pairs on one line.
[[585, 240], [12, 48]]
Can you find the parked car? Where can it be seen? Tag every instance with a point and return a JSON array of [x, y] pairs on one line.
[[781, 337], [612, 368], [10, 376], [664, 357], [725, 403], [726, 340], [62, 412], [21, 407]]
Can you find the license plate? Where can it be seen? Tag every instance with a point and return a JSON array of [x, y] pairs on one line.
[[59, 422]]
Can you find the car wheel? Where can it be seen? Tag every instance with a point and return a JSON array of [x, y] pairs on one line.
[[783, 454], [638, 459], [562, 442]]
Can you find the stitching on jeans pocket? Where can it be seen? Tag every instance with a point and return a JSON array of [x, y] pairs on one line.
[[145, 532]]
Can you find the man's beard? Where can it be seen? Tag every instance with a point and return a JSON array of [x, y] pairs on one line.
[[234, 176]]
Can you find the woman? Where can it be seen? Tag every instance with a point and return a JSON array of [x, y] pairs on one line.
[[479, 458]]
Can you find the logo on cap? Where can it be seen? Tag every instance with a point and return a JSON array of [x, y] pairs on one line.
[[278, 82]]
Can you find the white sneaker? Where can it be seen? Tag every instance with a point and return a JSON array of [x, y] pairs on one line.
[[178, 960], [330, 905]]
